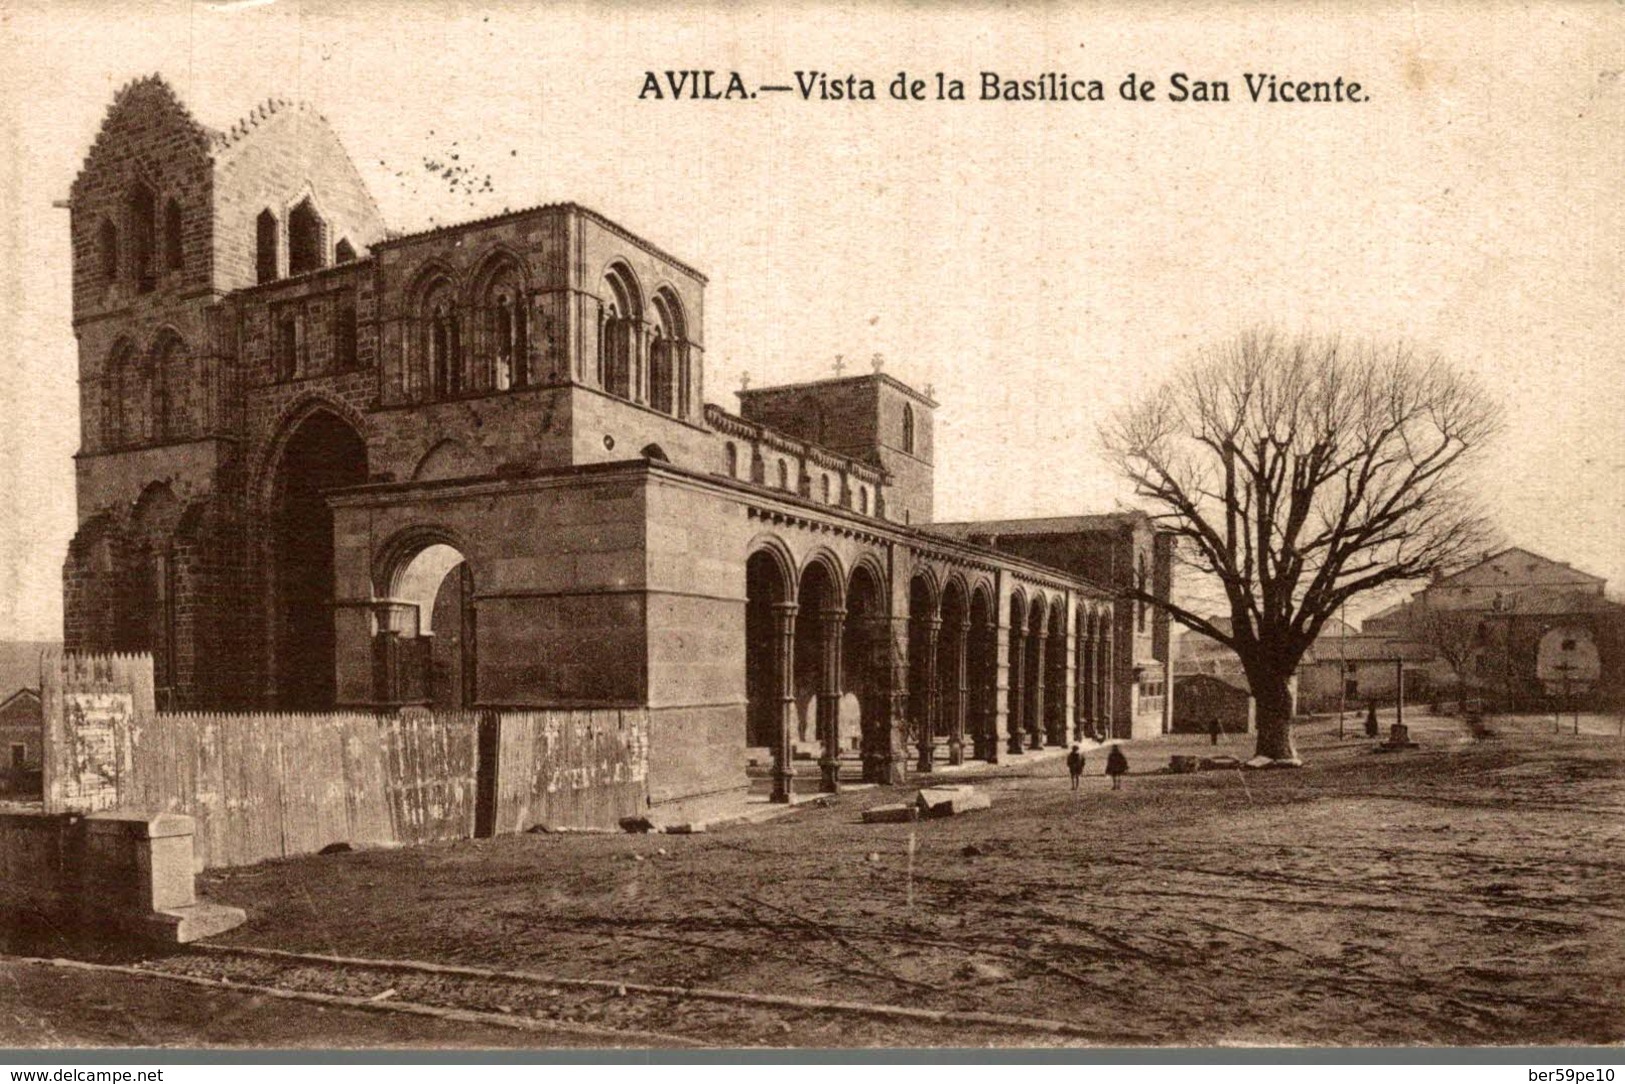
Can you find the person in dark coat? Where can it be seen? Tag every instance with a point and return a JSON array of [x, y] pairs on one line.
[[1214, 730], [1116, 766], [1371, 720], [1074, 764]]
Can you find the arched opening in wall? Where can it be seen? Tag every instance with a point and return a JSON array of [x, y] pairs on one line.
[[442, 347], [668, 386], [436, 635], [504, 318], [765, 589], [982, 665], [866, 670], [117, 376], [1034, 705], [323, 454], [784, 475], [621, 308], [174, 254], [169, 388], [146, 618], [908, 428], [818, 596], [730, 456], [951, 687], [306, 231], [924, 628], [265, 243], [107, 251], [1055, 658], [344, 251], [143, 236], [655, 452]]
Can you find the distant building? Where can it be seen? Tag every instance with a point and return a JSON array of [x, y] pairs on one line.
[[1532, 630], [1348, 672], [21, 740]]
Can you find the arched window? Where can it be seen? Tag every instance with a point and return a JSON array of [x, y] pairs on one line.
[[116, 374], [908, 428], [826, 489], [621, 307], [285, 347], [668, 357], [168, 365], [445, 350], [265, 233], [144, 237], [731, 454], [174, 256], [506, 337], [344, 252], [863, 500], [306, 252], [107, 250], [344, 337], [784, 475]]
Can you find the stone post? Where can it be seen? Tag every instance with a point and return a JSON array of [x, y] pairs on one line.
[[1018, 667], [956, 733], [928, 704], [1086, 684], [829, 700], [987, 731], [784, 773], [1035, 712]]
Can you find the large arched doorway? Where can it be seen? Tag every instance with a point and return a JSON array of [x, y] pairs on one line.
[[820, 623], [1053, 724], [769, 636], [1033, 673], [438, 640], [323, 454], [866, 670]]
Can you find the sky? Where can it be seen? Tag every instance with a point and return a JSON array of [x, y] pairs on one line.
[[1037, 264]]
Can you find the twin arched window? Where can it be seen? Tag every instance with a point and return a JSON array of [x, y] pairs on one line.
[[642, 358], [486, 348], [145, 398]]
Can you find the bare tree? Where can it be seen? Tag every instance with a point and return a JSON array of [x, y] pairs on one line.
[[1452, 634], [1299, 473]]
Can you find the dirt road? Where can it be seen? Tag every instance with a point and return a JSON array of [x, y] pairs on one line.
[[1462, 894]]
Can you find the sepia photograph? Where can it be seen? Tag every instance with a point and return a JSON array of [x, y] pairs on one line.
[[812, 527]]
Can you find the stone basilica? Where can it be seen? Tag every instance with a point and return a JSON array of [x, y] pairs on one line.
[[327, 465]]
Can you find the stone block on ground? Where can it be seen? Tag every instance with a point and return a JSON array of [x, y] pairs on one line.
[[1219, 763], [637, 824], [1258, 762], [951, 801], [890, 814], [1182, 765], [183, 925]]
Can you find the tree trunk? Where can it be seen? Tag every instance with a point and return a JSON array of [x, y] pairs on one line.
[[1272, 701]]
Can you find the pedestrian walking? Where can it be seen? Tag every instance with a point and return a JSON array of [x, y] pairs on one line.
[[1371, 729], [1214, 730], [1074, 764], [1116, 766]]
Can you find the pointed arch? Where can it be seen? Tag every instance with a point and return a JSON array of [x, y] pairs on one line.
[[117, 371], [266, 234], [668, 355], [169, 363], [620, 315], [174, 250], [307, 237], [142, 213], [499, 299]]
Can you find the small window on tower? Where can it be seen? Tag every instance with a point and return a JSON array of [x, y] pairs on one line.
[[305, 232], [107, 250], [344, 337], [287, 348], [173, 256], [265, 229], [344, 252], [908, 428]]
